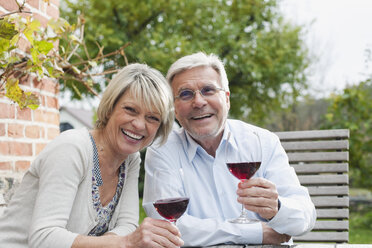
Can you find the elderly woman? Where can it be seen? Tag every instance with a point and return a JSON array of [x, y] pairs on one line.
[[82, 189]]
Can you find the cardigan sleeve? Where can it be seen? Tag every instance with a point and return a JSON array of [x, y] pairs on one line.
[[60, 169]]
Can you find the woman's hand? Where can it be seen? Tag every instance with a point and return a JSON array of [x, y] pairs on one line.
[[154, 233]]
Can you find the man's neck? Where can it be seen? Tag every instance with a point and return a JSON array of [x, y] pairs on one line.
[[210, 144]]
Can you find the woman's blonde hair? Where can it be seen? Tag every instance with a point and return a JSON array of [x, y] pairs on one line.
[[145, 84]]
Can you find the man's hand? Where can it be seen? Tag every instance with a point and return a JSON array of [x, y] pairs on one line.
[[259, 195], [154, 233], [271, 237]]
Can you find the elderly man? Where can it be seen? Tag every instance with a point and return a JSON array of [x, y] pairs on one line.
[[195, 157]]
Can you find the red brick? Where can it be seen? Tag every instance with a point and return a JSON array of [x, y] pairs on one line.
[[53, 118], [10, 5], [40, 115], [52, 133], [52, 102], [42, 19], [15, 148], [20, 149], [34, 3], [2, 129], [21, 166], [25, 80], [15, 130], [24, 44], [7, 111], [5, 148], [46, 117], [32, 131], [5, 165], [55, 2], [46, 85], [24, 114], [40, 147], [53, 11]]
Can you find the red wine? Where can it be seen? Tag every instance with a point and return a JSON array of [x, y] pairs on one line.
[[243, 170], [172, 208]]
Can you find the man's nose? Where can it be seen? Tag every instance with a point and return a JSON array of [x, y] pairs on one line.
[[199, 99]]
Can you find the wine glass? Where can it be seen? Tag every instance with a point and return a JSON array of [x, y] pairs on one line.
[[169, 200], [244, 169]]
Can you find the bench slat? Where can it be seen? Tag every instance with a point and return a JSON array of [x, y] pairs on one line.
[[320, 159], [324, 237], [318, 156], [319, 168], [316, 145], [341, 213], [314, 134], [328, 190], [323, 179], [332, 225], [330, 201]]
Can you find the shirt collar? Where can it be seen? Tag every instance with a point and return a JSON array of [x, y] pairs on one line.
[[192, 146]]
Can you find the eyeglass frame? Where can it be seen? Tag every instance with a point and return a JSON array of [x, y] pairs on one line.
[[200, 92]]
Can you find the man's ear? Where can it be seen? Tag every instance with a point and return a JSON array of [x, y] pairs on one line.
[[227, 93]]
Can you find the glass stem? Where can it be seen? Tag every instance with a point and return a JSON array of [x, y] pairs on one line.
[[244, 213]]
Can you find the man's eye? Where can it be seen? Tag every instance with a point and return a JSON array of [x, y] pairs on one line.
[[208, 90], [186, 93]]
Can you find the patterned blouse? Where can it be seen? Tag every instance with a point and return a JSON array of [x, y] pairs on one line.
[[104, 213]]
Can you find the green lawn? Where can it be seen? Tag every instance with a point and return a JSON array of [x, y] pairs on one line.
[[360, 226]]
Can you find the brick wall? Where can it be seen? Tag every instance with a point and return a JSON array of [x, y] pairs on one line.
[[24, 133]]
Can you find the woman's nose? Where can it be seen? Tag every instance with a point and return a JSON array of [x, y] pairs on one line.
[[139, 123]]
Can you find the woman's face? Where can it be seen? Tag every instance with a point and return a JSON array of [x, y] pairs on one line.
[[131, 126]]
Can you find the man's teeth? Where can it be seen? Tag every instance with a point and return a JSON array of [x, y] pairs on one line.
[[201, 116], [132, 135]]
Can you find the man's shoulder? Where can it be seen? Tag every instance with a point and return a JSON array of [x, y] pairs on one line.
[[239, 126], [175, 139]]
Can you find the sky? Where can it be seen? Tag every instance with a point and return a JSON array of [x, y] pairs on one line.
[[338, 34]]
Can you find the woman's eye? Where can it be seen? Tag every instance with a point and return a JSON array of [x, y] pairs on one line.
[[153, 119], [130, 109]]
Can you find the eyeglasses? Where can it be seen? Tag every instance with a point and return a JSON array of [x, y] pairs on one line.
[[206, 91]]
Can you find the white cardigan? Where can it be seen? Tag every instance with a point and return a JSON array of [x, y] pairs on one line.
[[54, 204]]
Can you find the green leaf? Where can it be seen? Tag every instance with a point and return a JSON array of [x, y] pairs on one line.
[[92, 63], [4, 45], [7, 30], [44, 46], [75, 69]]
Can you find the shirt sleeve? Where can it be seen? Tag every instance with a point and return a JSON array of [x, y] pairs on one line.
[[195, 231], [297, 213]]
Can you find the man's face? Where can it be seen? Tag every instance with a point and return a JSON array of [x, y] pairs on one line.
[[203, 116]]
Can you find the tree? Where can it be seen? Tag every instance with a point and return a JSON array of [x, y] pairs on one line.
[[37, 56], [352, 110], [265, 57]]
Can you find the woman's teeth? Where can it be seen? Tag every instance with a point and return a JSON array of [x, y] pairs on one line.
[[132, 135]]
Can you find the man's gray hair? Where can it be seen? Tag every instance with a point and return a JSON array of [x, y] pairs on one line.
[[196, 60]]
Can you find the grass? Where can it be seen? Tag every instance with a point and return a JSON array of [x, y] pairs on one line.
[[360, 225], [142, 213]]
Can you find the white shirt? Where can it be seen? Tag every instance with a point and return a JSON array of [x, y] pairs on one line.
[[212, 189]]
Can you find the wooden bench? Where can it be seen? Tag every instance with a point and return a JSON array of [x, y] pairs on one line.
[[320, 159]]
